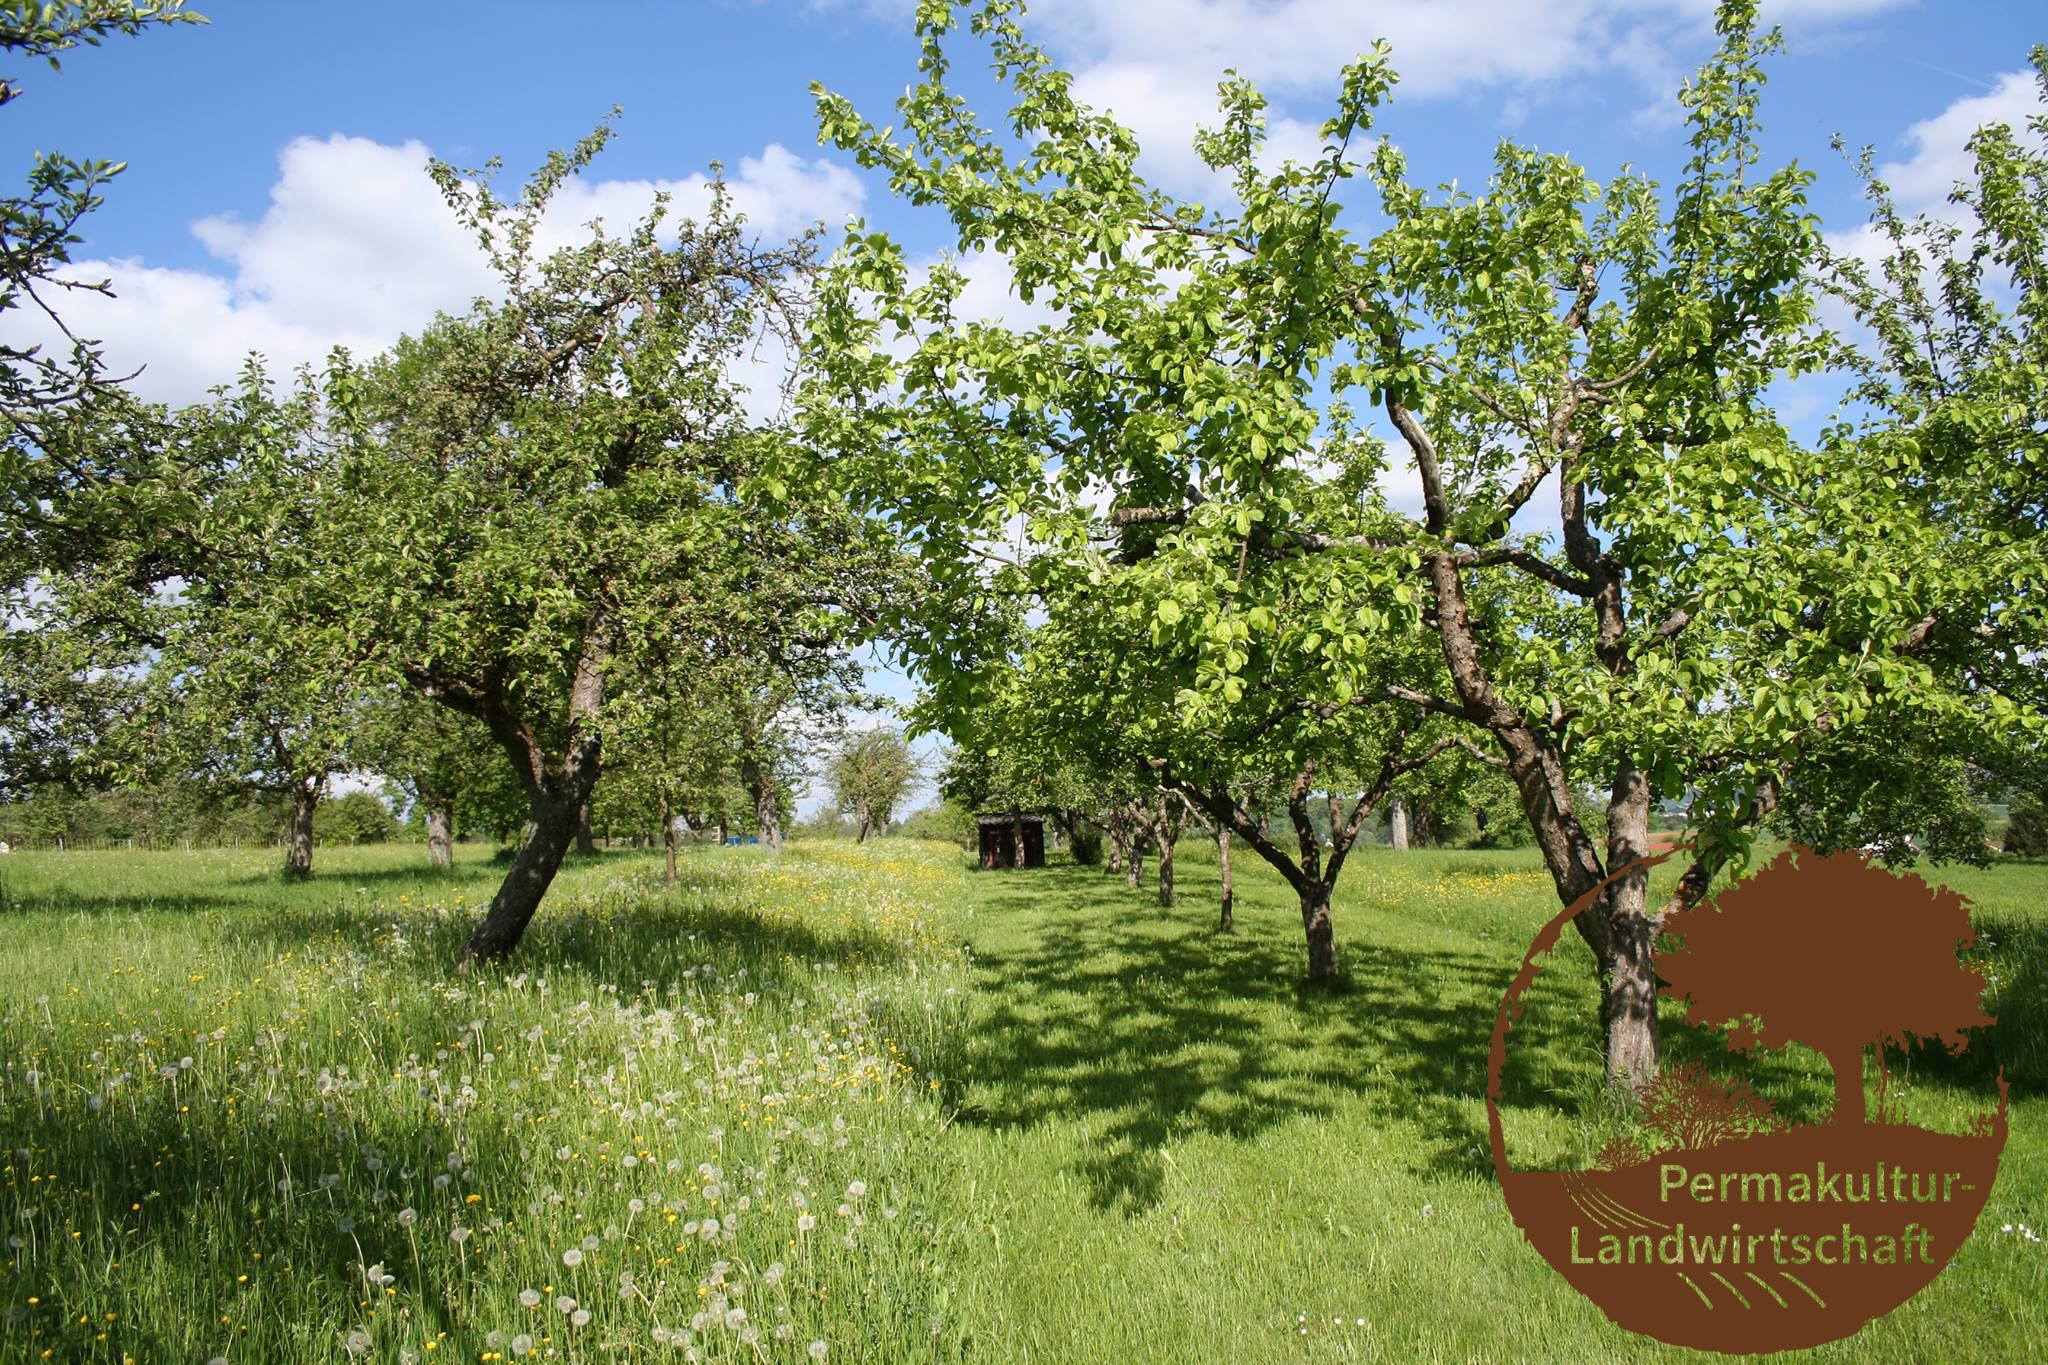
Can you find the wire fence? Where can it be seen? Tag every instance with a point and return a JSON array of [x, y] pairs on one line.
[[66, 844], [167, 844]]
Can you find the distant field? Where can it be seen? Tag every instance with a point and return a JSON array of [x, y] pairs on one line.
[[857, 1102]]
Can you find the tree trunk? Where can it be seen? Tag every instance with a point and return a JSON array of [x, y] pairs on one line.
[[1397, 820], [298, 849], [1116, 846], [1627, 960], [1225, 923], [1313, 885], [1848, 1068], [668, 841], [554, 828], [558, 793], [584, 843], [1134, 867], [763, 789], [1628, 983], [1321, 933], [440, 837]]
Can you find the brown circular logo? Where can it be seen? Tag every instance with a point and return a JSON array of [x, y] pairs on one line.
[[1709, 1219]]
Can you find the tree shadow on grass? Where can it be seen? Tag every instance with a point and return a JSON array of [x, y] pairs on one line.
[[1151, 1028], [624, 945], [2012, 952], [479, 871], [61, 901]]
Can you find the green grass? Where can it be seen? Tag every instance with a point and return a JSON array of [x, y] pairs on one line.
[[1088, 1129]]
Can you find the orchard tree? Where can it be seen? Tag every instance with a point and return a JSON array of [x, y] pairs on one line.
[[201, 643], [545, 497], [250, 678], [73, 446], [1204, 426], [1194, 641], [1107, 676], [444, 766], [358, 817], [723, 747], [870, 774], [1951, 383]]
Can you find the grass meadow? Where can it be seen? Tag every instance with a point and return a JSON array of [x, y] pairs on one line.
[[848, 1103]]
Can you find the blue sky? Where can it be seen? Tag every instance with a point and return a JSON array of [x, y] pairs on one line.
[[208, 117], [275, 201]]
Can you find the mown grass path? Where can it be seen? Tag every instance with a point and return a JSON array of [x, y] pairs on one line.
[[1173, 1151]]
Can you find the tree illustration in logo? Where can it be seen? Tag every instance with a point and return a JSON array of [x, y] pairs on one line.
[[1852, 958]]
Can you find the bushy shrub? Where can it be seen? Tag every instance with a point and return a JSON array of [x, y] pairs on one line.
[[356, 818], [941, 820], [1087, 845], [2026, 833]]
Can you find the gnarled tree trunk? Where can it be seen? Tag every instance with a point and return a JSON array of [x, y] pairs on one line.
[[558, 791], [298, 848], [755, 774], [584, 842], [519, 895], [1397, 822], [441, 836], [1320, 929], [1627, 961]]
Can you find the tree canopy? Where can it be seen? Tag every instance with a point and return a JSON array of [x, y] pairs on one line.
[[1266, 484]]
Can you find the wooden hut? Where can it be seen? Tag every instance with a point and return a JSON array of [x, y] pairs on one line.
[[1001, 833]]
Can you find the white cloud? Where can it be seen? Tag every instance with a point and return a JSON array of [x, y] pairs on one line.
[[356, 241], [1940, 153], [1156, 62], [357, 247], [1163, 107], [1939, 157]]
